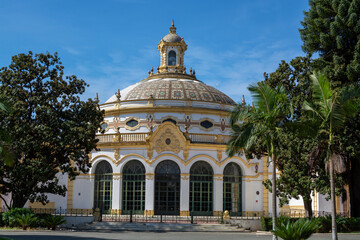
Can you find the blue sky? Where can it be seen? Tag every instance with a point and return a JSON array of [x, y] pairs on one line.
[[113, 43]]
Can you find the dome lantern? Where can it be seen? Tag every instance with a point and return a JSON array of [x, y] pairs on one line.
[[172, 50]]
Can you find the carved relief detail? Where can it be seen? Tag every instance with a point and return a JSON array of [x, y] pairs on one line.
[[219, 155], [168, 138], [116, 153]]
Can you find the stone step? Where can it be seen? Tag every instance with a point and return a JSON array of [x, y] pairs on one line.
[[120, 226]]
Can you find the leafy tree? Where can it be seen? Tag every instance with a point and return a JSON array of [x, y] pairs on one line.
[[53, 130], [262, 122], [300, 174], [329, 109], [5, 140], [331, 28]]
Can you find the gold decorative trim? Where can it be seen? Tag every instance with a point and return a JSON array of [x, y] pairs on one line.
[[165, 109], [265, 191], [103, 156], [116, 211], [185, 213], [39, 205], [208, 119], [149, 176], [219, 155], [116, 153], [218, 177], [149, 212], [217, 213], [70, 194], [107, 128], [129, 119]]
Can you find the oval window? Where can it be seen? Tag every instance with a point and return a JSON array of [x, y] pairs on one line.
[[132, 123], [104, 126], [206, 124]]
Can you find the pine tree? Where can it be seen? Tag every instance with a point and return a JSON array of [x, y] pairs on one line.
[[331, 28]]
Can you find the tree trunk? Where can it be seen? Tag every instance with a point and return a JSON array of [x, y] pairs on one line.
[[273, 194], [18, 202], [333, 203], [308, 207]]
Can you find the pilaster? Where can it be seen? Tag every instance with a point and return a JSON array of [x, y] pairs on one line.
[[184, 194], [116, 192], [218, 193], [70, 192], [265, 191], [149, 193]]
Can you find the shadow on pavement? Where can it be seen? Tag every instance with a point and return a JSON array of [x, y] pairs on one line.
[[48, 237]]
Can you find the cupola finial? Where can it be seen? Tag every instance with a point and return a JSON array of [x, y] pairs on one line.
[[172, 28]]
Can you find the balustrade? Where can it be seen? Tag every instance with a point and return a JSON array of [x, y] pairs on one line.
[[141, 137]]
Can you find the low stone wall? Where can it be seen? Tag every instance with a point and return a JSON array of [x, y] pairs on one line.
[[74, 221], [252, 224]]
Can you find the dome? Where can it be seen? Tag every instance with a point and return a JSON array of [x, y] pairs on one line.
[[172, 37], [173, 89]]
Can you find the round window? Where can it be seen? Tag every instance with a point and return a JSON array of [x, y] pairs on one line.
[[206, 124], [132, 123]]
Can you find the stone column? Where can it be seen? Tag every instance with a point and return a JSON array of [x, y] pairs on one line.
[[184, 194], [149, 193], [116, 194], [218, 194]]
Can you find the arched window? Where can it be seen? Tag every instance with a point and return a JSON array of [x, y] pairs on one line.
[[167, 188], [103, 186], [170, 120], [201, 188], [172, 58], [232, 189], [133, 193]]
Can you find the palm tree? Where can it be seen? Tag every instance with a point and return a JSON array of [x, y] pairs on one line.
[[329, 109], [256, 129]]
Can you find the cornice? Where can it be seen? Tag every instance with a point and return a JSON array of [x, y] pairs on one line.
[[162, 109]]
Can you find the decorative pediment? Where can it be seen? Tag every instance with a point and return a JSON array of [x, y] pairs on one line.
[[167, 138]]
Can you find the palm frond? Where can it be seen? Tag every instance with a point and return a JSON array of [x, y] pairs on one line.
[[264, 96], [239, 138], [310, 107], [321, 88]]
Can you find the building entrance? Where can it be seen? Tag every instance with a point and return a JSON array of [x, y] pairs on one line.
[[167, 188]]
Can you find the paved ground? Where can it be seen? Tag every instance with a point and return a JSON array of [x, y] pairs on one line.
[[59, 235]]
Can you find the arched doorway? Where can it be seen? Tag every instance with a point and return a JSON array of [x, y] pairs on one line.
[[201, 188], [232, 189], [167, 188], [103, 186], [133, 194]]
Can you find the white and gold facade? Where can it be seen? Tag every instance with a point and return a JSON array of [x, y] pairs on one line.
[[163, 150]]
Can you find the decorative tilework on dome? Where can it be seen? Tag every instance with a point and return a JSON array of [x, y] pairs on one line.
[[176, 89]]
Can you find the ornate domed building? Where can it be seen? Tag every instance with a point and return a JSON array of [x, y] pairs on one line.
[[163, 151]]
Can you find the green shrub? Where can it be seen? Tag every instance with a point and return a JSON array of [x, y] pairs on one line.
[[41, 219], [9, 217], [25, 220], [1, 220], [324, 224], [347, 224], [266, 223], [52, 221], [298, 230]]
